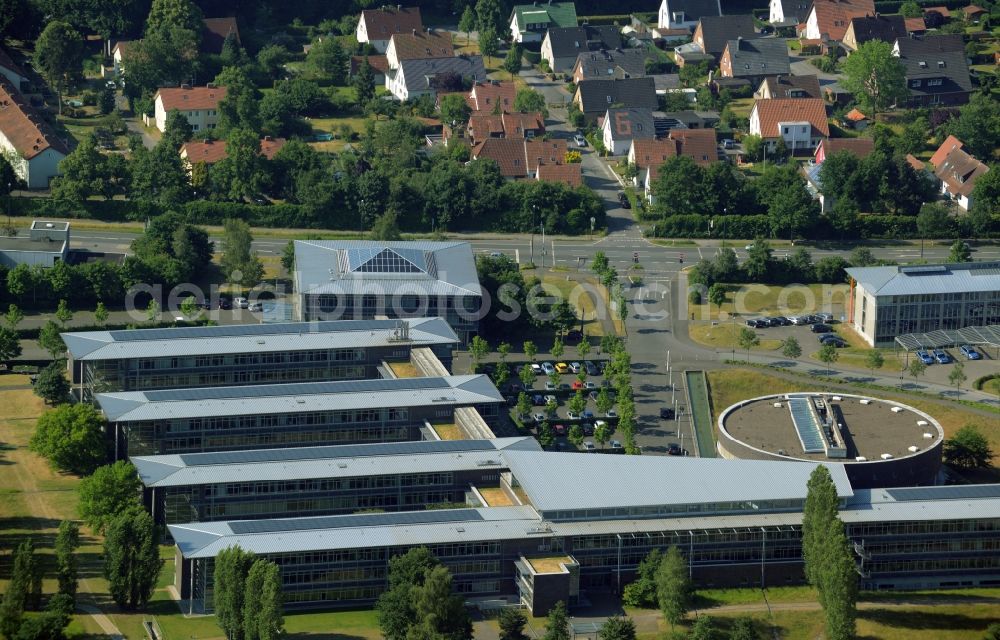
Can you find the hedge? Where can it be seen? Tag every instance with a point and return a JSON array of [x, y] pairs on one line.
[[892, 6]]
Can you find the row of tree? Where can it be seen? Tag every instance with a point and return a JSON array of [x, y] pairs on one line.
[[247, 596]]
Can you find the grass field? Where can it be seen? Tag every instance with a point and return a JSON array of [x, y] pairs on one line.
[[580, 293], [726, 336], [757, 299]]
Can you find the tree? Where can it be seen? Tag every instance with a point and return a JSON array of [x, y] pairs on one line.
[[14, 316], [790, 348], [642, 592], [583, 349], [839, 584], [489, 15], [488, 43], [530, 350], [528, 100], [386, 227], [132, 558], [747, 339], [478, 349], [240, 108], [703, 629], [604, 402], [673, 586], [759, 260], [263, 617], [512, 63], [960, 252], [933, 220], [326, 58], [602, 433], [397, 607], [917, 368], [875, 77], [51, 385], [439, 612], [968, 448], [910, 9], [575, 435], [112, 489], [512, 621], [467, 23], [232, 566], [239, 262], [170, 14], [557, 625], [874, 360], [523, 404], [288, 257], [67, 542], [717, 295], [617, 627], [364, 82], [50, 624], [455, 110], [272, 58], [24, 577], [59, 56], [957, 376], [242, 174], [828, 354], [743, 629], [819, 511], [977, 126], [63, 313], [679, 187], [557, 348], [71, 438], [527, 376], [10, 346], [985, 200]]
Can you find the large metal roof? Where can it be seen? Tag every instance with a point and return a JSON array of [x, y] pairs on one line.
[[989, 335], [447, 391], [253, 338], [340, 461], [562, 481], [902, 280], [350, 267]]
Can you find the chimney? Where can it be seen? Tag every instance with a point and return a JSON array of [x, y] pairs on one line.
[[268, 138], [207, 140], [186, 87], [210, 85], [413, 32], [399, 7]]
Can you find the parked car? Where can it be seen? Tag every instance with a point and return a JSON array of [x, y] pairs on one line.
[[572, 415], [600, 423], [241, 303], [942, 356], [820, 328], [539, 417], [587, 428], [797, 320], [562, 367], [589, 447], [548, 369], [829, 338], [674, 449], [577, 385], [574, 367], [538, 400], [666, 413], [623, 199], [616, 445], [256, 306], [588, 414], [728, 143], [757, 324], [536, 368], [611, 413], [225, 303], [779, 321], [574, 335], [969, 352], [589, 385], [825, 317], [925, 357], [590, 367], [551, 398], [579, 140], [559, 429], [550, 386]]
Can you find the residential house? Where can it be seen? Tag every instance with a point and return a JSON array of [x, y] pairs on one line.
[[119, 54], [377, 26], [957, 170], [505, 125], [800, 122], [622, 126], [529, 22], [520, 158], [568, 174], [874, 27], [698, 144], [915, 26], [379, 65], [685, 14], [714, 33], [974, 13], [644, 153], [208, 151], [12, 71], [415, 78], [829, 19], [418, 45], [755, 59], [859, 147], [937, 72], [562, 45], [611, 63], [594, 97], [27, 141], [214, 32], [936, 16], [788, 87], [665, 83], [788, 13], [200, 105], [487, 97]]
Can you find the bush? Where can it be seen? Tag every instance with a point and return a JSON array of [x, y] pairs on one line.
[[694, 297]]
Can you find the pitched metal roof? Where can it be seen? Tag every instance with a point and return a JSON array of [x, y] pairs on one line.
[[348, 267], [556, 14], [252, 338], [758, 56], [630, 92], [448, 391], [562, 481], [928, 279], [325, 462], [716, 31]]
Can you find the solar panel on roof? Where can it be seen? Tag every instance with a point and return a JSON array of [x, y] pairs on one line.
[[244, 330], [927, 268], [945, 493], [295, 389], [362, 520], [335, 451]]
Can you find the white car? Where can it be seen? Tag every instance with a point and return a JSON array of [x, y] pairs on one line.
[[240, 303], [579, 140], [548, 368], [536, 368], [255, 306]]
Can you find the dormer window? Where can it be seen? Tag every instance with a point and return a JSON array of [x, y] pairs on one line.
[[609, 99], [940, 64], [746, 66], [923, 65]]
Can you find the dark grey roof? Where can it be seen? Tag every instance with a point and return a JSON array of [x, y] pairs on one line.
[[666, 81], [758, 57], [694, 9], [935, 57], [570, 41], [630, 124], [419, 73], [878, 27], [630, 92], [716, 31], [612, 63], [795, 11], [784, 86]]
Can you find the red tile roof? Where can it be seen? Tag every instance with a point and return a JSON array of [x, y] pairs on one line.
[[215, 31], [915, 24], [22, 125], [915, 162], [485, 126], [378, 63], [544, 151], [422, 44], [942, 10], [211, 151], [834, 16], [771, 112], [507, 153], [381, 23], [698, 144], [860, 147], [188, 99], [516, 124], [950, 143], [855, 116], [653, 152], [484, 97], [570, 174]]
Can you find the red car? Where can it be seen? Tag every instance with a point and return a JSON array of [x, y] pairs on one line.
[[560, 430], [577, 384]]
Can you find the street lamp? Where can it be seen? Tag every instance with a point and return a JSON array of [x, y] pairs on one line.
[[593, 220]]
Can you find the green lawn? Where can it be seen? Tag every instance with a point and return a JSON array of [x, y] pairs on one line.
[[758, 299]]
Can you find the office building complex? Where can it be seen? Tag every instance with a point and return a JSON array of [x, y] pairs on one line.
[[580, 523], [147, 359], [178, 421], [886, 302], [355, 279], [319, 481]]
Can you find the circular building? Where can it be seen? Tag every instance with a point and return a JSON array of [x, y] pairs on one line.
[[881, 443]]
